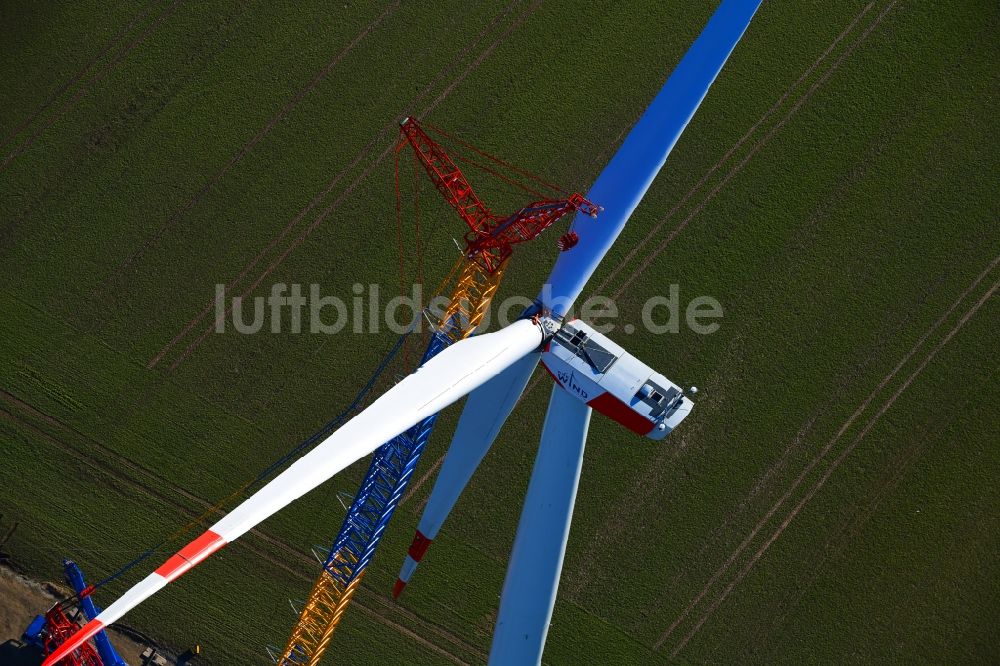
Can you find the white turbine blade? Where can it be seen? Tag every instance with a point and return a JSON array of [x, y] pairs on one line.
[[485, 412], [441, 381], [529, 592]]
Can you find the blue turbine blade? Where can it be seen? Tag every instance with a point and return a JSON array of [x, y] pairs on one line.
[[529, 592], [625, 179]]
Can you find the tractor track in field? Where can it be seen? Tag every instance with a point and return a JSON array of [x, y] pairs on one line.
[[853, 176], [208, 509], [836, 545], [861, 511], [796, 245], [832, 468], [66, 85], [829, 470], [343, 195], [742, 164], [604, 156], [380, 137], [89, 84], [237, 157], [864, 405], [877, 151], [427, 625], [734, 148], [421, 481], [643, 485], [759, 485]]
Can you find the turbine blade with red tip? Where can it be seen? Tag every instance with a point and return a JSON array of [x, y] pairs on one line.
[[441, 381], [485, 412]]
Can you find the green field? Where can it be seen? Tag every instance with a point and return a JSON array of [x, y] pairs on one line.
[[833, 497]]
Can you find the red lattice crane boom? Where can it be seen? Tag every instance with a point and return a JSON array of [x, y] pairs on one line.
[[490, 236]]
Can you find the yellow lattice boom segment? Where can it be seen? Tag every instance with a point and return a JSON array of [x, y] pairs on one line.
[[471, 294], [321, 613], [470, 299]]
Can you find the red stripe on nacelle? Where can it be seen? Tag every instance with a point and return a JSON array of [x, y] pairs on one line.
[[609, 405], [190, 555], [419, 546], [75, 641]]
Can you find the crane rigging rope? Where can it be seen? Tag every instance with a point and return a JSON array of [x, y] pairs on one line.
[[493, 158]]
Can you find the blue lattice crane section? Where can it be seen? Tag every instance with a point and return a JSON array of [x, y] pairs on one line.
[[388, 474]]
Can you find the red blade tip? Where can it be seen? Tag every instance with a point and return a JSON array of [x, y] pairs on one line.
[[397, 589]]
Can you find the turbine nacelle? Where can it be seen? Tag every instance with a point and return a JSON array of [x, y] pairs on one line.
[[600, 373]]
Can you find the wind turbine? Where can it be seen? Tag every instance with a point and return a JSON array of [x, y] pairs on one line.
[[626, 390], [591, 372]]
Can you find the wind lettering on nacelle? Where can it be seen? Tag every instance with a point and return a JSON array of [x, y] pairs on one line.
[[566, 379]]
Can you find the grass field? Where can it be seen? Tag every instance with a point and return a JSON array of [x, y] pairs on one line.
[[832, 498]]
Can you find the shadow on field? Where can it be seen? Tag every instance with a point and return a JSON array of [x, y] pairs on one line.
[[16, 653]]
